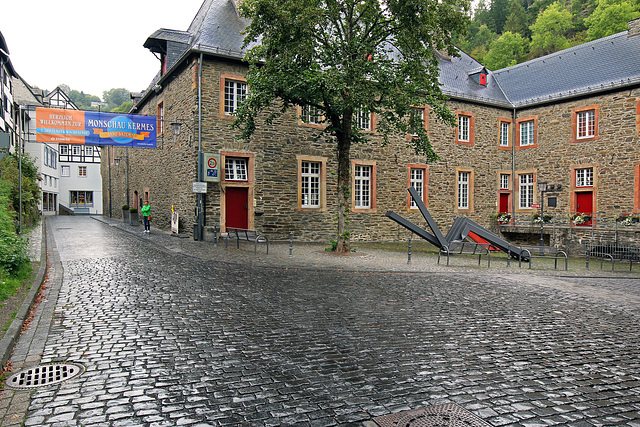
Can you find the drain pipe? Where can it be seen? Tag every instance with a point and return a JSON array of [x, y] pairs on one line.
[[513, 167], [200, 227]]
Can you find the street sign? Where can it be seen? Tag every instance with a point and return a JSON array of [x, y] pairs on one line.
[[200, 187], [211, 167], [535, 205]]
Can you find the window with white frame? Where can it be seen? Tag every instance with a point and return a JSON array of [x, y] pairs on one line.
[[64, 150], [417, 120], [463, 189], [311, 115], [416, 178], [526, 191], [362, 186], [65, 170], [235, 169], [82, 171], [504, 134], [88, 151], [363, 120], [463, 128], [527, 133], [584, 177], [310, 184], [586, 124], [76, 150], [234, 93], [504, 181]]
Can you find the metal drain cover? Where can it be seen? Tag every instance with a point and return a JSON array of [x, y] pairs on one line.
[[43, 375], [448, 415]]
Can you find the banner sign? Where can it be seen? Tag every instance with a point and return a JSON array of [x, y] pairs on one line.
[[60, 126]]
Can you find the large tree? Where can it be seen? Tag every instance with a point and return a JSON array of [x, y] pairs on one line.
[[510, 49], [343, 57], [549, 32]]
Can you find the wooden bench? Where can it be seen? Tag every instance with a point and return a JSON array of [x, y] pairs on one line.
[[238, 234]]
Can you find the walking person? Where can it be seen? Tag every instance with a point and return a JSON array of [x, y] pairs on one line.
[[146, 216]]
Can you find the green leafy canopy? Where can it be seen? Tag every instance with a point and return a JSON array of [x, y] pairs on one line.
[[342, 57]]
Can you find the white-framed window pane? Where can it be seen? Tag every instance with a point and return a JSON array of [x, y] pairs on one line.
[[311, 115], [586, 124], [417, 182], [584, 177], [526, 190], [362, 186], [504, 134], [64, 150], [235, 169], [75, 150], [310, 183], [463, 190], [363, 120], [88, 151], [234, 93], [504, 181], [65, 170], [463, 128], [526, 133]]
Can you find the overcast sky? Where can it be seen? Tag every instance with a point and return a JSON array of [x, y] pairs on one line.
[[89, 45]]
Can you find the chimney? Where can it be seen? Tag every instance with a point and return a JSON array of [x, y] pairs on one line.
[[634, 27]]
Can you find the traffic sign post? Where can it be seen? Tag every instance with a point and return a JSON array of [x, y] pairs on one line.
[[211, 166]]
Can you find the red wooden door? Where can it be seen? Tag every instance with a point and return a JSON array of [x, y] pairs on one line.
[[584, 204], [504, 203], [237, 207]]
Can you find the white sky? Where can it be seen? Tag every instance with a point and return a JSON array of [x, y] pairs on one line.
[[89, 45]]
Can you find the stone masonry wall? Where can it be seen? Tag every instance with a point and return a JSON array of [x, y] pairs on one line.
[[168, 171]]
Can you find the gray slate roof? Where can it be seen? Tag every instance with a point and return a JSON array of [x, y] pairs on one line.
[[603, 64], [609, 63]]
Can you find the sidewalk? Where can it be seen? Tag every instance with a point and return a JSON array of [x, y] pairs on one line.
[[367, 257]]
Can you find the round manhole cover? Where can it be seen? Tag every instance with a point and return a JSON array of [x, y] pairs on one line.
[[43, 375]]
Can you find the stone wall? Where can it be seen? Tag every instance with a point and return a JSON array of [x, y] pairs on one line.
[[167, 172]]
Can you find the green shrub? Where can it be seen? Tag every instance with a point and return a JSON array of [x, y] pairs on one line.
[[13, 249]]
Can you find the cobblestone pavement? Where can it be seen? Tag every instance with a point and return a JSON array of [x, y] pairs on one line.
[[170, 337]]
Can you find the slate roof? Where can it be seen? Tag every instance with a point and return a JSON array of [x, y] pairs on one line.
[[609, 63]]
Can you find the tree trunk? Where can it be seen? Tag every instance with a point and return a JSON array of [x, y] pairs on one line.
[[344, 192]]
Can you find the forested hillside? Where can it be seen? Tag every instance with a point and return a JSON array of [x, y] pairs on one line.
[[507, 32]]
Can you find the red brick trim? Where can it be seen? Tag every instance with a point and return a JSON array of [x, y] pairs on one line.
[[472, 128], [535, 132], [425, 184], [574, 123], [223, 78], [510, 135]]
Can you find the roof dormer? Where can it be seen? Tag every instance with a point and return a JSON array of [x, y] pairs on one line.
[[479, 76]]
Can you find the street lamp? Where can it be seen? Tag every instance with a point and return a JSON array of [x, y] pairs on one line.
[[542, 187]]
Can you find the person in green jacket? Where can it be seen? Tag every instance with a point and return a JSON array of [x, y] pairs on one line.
[[146, 217]]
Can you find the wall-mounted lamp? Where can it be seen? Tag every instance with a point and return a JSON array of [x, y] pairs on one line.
[[116, 161]]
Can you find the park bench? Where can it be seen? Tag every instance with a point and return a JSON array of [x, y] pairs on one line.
[[238, 234]]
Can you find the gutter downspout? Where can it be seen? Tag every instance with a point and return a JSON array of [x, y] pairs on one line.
[[513, 166], [200, 227]]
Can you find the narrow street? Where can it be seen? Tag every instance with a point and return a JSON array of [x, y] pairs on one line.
[[172, 339]]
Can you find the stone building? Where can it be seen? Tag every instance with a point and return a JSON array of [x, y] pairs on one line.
[[571, 119]]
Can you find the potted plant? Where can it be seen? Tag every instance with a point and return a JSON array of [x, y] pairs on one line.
[[125, 214], [580, 218], [503, 218], [133, 216]]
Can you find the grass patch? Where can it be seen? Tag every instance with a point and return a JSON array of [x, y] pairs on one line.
[[10, 285]]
